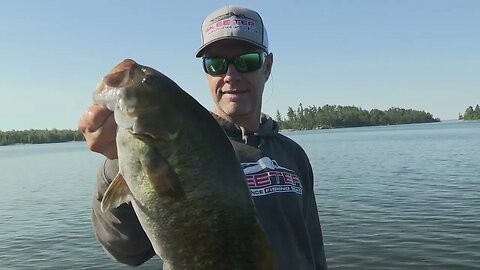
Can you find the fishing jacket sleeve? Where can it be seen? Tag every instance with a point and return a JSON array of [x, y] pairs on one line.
[[118, 230]]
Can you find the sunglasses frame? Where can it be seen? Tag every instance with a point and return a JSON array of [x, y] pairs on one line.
[[233, 60]]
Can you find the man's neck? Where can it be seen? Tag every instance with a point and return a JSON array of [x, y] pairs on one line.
[[250, 123]]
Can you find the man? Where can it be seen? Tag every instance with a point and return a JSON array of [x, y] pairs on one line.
[[237, 65]]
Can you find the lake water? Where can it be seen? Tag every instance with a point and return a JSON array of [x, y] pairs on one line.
[[393, 197]]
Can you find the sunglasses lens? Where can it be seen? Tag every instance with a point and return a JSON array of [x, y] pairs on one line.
[[243, 63], [248, 62], [214, 65]]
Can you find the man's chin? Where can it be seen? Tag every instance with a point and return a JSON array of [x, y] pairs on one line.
[[235, 111]]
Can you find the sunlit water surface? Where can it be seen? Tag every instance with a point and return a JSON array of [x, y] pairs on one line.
[[393, 197]]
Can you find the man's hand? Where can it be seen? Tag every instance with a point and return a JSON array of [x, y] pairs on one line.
[[99, 129]]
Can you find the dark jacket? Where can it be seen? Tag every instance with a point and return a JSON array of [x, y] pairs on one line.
[[280, 179]]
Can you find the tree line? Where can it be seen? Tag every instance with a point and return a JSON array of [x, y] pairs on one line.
[[335, 116], [470, 114], [36, 136], [312, 117]]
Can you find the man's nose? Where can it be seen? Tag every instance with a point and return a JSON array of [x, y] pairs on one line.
[[232, 73]]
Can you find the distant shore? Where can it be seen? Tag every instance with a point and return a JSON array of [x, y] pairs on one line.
[[39, 136]]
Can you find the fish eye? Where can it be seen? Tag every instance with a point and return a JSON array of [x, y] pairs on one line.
[[147, 80]]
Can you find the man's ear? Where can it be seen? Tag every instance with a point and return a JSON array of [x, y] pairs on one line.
[[268, 65]]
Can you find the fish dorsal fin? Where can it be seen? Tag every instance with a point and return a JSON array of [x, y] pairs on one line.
[[116, 194], [162, 176]]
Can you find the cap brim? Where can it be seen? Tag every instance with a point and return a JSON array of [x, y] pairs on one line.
[[199, 52]]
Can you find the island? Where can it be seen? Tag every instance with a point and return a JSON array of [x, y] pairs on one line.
[[470, 113], [336, 116]]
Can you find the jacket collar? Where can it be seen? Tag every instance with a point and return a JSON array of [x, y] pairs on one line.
[[268, 127]]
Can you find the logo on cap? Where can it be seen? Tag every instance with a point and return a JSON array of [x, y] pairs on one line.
[[231, 21]]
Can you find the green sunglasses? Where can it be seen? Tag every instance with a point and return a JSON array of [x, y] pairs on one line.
[[244, 63]]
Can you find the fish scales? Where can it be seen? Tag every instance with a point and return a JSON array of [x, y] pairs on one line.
[[181, 174]]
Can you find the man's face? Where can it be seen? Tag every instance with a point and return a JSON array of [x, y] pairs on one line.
[[237, 96]]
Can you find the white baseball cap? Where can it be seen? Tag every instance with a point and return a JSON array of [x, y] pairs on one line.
[[233, 22]]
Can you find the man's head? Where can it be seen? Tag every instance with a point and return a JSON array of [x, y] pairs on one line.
[[235, 58]]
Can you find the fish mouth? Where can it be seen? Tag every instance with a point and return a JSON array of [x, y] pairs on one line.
[[119, 76], [108, 90], [134, 111], [149, 137], [143, 135]]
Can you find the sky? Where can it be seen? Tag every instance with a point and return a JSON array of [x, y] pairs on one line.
[[373, 54]]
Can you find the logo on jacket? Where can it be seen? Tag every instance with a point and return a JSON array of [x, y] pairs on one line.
[[266, 177]]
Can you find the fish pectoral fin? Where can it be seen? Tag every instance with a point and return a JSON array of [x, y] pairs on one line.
[[116, 194], [162, 176]]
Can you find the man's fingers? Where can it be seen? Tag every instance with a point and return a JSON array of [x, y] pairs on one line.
[[93, 118], [98, 126], [102, 140], [109, 127]]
